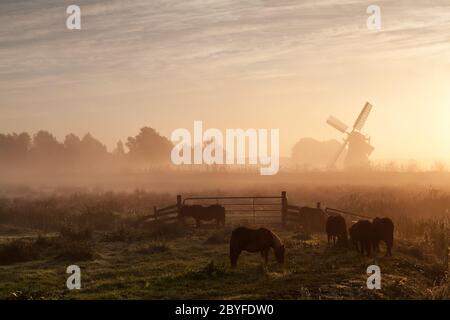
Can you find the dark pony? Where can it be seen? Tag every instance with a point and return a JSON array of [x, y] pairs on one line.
[[200, 213], [336, 229], [383, 231], [362, 235], [251, 240]]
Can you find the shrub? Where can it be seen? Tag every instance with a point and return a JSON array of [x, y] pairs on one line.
[[72, 233], [17, 251]]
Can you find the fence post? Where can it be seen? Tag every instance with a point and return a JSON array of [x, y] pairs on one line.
[[179, 205], [284, 204]]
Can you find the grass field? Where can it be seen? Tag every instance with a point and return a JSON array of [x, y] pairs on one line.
[[180, 263]]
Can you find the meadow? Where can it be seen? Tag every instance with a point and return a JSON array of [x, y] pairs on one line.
[[42, 234]]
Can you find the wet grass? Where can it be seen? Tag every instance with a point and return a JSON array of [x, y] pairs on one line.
[[192, 266]]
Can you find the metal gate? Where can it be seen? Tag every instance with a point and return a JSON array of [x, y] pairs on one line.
[[255, 210]]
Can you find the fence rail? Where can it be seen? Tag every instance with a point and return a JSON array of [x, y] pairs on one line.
[[350, 213]]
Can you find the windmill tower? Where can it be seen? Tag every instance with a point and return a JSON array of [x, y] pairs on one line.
[[359, 148]]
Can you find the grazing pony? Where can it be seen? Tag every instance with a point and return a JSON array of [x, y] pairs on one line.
[[362, 235], [336, 229], [251, 240], [384, 231], [200, 213]]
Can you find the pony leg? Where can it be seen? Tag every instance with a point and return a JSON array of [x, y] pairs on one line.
[[234, 255], [376, 246], [389, 247], [360, 247]]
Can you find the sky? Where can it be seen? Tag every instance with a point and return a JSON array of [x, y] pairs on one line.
[[232, 64]]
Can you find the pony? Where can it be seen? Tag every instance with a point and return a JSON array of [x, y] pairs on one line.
[[336, 229], [383, 231], [200, 213], [255, 240], [362, 235]]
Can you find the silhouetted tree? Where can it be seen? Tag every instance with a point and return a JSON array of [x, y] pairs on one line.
[[149, 147], [91, 147], [72, 145], [14, 148], [46, 149]]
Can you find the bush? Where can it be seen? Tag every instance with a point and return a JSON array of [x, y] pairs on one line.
[[17, 251], [72, 233]]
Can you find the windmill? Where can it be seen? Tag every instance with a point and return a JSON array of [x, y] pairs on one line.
[[359, 148]]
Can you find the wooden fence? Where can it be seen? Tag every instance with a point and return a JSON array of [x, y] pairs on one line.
[[266, 210], [163, 215], [258, 210]]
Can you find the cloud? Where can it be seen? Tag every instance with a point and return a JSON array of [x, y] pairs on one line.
[[207, 38]]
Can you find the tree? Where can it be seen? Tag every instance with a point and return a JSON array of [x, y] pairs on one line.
[[149, 147], [72, 145], [92, 148], [14, 147], [46, 147]]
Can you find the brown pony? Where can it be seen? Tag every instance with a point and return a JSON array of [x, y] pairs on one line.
[[251, 240], [200, 213], [384, 231], [336, 228], [362, 235]]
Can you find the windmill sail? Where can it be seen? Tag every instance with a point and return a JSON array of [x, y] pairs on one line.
[[338, 154], [359, 123], [337, 124]]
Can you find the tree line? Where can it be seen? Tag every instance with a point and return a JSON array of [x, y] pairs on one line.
[[43, 150]]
